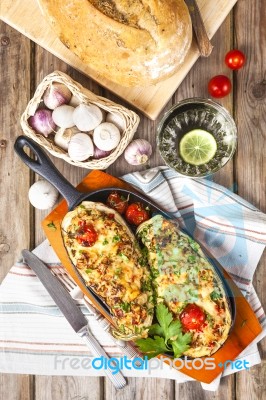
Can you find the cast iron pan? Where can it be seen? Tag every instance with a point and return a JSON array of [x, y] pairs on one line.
[[45, 168]]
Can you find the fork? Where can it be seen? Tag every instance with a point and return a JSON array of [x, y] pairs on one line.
[[126, 348]]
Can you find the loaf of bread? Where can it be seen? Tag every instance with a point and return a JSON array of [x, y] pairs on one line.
[[132, 43]]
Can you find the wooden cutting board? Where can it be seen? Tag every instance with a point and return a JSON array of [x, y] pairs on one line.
[[26, 17], [246, 327]]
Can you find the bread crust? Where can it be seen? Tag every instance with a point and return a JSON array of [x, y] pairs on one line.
[[132, 43]]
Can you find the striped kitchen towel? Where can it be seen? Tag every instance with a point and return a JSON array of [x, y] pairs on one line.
[[36, 339]]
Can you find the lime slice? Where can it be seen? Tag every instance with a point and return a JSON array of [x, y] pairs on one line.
[[197, 147]]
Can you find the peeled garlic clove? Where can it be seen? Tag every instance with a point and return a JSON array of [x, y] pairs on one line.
[[80, 147], [106, 136], [63, 136], [56, 95], [117, 119], [63, 116], [87, 117], [42, 195]]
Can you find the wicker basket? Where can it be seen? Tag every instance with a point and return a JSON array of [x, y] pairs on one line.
[[84, 96]]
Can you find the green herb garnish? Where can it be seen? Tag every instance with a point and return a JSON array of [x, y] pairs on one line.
[[116, 239], [167, 336], [123, 256], [52, 226], [88, 271], [105, 242], [191, 259], [125, 307], [215, 296], [118, 271]]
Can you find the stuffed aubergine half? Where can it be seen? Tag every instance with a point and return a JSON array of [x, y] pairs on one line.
[[107, 256], [186, 282]]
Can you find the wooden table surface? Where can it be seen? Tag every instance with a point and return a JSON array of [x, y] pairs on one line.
[[23, 65]]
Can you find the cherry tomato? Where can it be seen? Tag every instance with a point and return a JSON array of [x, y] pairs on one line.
[[235, 59], [86, 234], [192, 317], [117, 202], [136, 214], [219, 86]]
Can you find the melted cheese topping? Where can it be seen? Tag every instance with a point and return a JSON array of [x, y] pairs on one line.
[[182, 275], [112, 266]]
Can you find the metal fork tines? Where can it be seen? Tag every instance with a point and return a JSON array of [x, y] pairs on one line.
[[126, 348]]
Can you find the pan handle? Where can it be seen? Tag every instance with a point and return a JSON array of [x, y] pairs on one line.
[[44, 167]]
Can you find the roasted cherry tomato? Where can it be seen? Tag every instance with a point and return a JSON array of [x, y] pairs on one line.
[[136, 214], [117, 202], [235, 59], [86, 234], [192, 318], [219, 86]]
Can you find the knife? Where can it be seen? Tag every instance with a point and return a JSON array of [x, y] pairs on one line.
[[204, 44], [71, 311]]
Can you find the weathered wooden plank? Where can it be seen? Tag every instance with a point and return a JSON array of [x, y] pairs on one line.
[[250, 167], [250, 101], [193, 391], [67, 387], [16, 387], [251, 384], [14, 176], [141, 389]]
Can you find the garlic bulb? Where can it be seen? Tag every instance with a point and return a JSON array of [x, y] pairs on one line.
[[63, 116], [42, 122], [56, 95], [138, 152], [80, 147], [98, 154], [42, 195], [87, 117], [74, 101], [117, 119], [63, 136], [106, 136]]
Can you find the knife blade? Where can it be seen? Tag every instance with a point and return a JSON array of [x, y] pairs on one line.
[[203, 41], [71, 312]]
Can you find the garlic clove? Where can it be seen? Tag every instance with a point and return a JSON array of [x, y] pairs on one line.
[[56, 95], [63, 116], [80, 147], [106, 136], [63, 136], [42, 195], [117, 119], [87, 117]]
